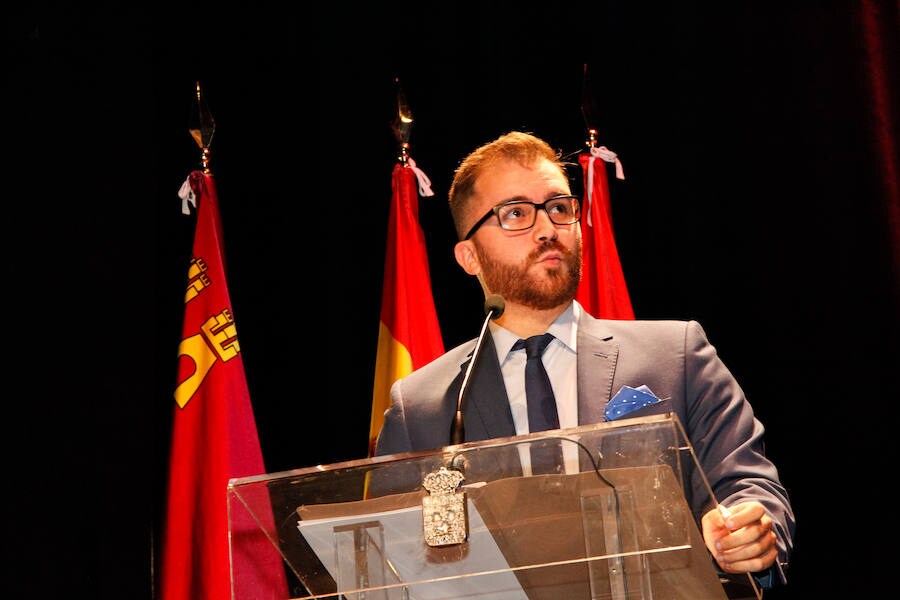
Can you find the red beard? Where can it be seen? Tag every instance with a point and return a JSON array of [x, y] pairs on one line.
[[516, 283]]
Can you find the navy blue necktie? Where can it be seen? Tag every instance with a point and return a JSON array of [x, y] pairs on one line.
[[546, 455], [542, 413]]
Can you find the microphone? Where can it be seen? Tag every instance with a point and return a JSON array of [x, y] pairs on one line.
[[493, 308]]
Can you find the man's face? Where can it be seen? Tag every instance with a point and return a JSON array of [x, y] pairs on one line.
[[538, 267]]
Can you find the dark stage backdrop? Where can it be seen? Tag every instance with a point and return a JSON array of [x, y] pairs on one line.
[[755, 201]]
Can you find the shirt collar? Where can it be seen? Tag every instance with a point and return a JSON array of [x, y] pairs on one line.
[[564, 328]]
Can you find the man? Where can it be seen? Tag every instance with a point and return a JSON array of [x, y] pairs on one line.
[[520, 236]]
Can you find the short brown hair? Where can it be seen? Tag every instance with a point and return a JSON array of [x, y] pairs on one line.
[[524, 148]]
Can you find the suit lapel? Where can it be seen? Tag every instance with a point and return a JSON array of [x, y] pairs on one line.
[[486, 411], [597, 356]]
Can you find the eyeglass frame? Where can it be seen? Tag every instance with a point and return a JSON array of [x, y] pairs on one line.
[[542, 206]]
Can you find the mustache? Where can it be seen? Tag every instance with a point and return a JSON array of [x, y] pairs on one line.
[[547, 246]]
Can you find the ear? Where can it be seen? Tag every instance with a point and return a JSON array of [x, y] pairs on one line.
[[466, 257]]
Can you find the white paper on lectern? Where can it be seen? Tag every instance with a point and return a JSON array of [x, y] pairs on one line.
[[405, 547]]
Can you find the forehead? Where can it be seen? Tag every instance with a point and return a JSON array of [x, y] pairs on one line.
[[510, 179]]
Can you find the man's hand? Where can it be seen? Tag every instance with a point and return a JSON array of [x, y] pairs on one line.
[[740, 538]]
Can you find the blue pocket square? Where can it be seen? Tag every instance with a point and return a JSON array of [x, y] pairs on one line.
[[629, 399]]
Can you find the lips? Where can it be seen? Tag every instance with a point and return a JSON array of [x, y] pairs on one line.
[[551, 256], [551, 253], [555, 257]]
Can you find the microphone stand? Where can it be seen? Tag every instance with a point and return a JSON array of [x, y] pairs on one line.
[[493, 306]]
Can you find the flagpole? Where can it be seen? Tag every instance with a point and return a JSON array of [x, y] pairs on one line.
[[409, 335], [602, 291], [402, 124], [213, 548], [202, 129]]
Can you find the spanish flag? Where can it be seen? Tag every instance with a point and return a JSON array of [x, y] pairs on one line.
[[214, 438], [602, 291], [409, 335]]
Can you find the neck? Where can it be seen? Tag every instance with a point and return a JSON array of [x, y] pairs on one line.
[[525, 321]]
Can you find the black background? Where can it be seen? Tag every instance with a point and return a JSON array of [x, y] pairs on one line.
[[754, 201]]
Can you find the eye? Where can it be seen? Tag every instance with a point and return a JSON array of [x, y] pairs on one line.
[[513, 212], [559, 207]]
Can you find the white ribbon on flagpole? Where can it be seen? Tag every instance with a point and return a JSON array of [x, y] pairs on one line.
[[424, 182], [187, 195], [609, 156]]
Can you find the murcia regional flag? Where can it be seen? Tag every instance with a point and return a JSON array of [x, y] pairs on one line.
[[214, 437]]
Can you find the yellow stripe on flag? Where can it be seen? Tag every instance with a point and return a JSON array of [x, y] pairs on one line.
[[392, 362]]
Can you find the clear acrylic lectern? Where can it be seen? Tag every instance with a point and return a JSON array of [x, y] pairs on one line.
[[473, 521]]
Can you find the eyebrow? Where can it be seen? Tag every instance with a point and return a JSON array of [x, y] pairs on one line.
[[518, 198], [521, 198]]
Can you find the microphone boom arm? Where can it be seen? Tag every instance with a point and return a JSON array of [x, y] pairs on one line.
[[493, 306]]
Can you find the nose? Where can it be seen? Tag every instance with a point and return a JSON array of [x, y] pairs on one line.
[[544, 229]]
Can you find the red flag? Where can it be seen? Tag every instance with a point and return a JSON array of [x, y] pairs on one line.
[[214, 437], [602, 291], [409, 335]]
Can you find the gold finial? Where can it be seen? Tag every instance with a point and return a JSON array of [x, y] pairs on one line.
[[202, 128], [588, 110], [402, 124]]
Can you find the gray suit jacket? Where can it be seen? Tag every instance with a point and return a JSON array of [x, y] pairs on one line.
[[673, 358]]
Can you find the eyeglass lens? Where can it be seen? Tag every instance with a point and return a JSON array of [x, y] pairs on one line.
[[522, 215]]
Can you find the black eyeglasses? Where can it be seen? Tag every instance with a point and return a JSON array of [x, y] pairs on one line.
[[520, 214]]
